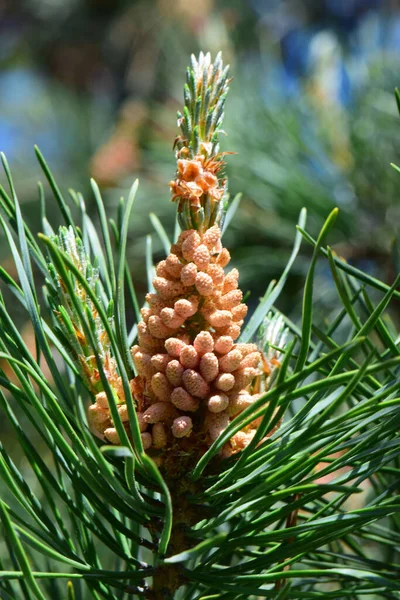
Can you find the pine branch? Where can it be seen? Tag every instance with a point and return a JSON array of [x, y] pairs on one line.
[[284, 485]]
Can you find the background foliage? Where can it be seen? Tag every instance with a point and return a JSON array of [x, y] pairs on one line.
[[96, 84]]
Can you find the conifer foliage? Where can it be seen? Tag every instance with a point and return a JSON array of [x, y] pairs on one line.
[[191, 454]]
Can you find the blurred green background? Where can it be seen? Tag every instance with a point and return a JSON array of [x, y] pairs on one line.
[[311, 116]]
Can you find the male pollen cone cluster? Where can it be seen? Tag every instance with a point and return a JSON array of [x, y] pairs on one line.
[[193, 378]]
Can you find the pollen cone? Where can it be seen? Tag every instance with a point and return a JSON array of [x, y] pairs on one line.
[[194, 376]]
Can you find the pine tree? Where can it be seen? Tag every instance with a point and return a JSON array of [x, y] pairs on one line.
[[192, 456]]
